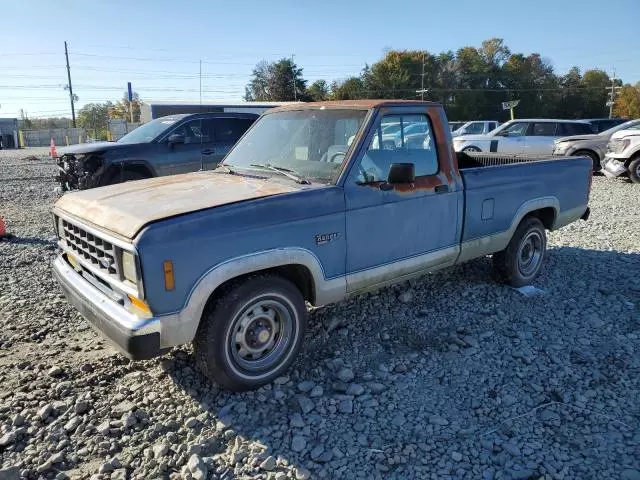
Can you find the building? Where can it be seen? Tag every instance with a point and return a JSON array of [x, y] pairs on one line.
[[155, 109], [9, 133]]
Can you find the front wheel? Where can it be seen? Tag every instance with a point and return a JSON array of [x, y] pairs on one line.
[[251, 333], [634, 170], [471, 149], [519, 263]]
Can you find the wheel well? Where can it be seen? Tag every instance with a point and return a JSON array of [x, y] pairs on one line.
[[115, 170], [297, 274], [584, 150], [139, 168], [546, 215], [633, 157]]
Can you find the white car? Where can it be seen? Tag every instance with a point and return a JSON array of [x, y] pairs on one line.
[[479, 127], [526, 136], [623, 154]]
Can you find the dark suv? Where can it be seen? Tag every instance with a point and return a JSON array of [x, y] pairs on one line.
[[164, 146]]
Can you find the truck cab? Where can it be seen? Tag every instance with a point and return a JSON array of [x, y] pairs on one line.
[[312, 205]]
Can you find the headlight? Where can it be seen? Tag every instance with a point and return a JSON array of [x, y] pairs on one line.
[[129, 270], [618, 145], [561, 147]]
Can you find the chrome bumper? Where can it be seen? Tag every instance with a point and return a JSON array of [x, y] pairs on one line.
[[137, 338]]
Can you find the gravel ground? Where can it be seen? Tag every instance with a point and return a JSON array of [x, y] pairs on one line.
[[450, 376]]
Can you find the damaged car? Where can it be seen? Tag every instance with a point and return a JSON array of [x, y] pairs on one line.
[[165, 146]]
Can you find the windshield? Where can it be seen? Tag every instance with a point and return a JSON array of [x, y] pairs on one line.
[[631, 124], [310, 143], [149, 131]]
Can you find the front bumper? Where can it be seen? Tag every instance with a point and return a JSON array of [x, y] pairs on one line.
[[137, 338], [613, 167]]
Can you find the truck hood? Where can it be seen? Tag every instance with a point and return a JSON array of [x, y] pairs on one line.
[[577, 138], [626, 133], [91, 147], [126, 208]]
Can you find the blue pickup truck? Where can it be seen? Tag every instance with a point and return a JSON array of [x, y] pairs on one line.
[[310, 206]]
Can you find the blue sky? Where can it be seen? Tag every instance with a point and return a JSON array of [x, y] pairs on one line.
[[157, 45]]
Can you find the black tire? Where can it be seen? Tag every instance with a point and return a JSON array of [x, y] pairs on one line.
[[471, 149], [265, 311], [519, 263], [592, 155], [634, 170]]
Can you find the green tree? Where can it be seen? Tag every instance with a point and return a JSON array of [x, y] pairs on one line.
[[275, 82], [595, 86], [318, 91], [350, 89], [94, 118]]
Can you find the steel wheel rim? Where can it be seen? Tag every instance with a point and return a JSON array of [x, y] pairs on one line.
[[638, 170], [530, 253], [261, 335]]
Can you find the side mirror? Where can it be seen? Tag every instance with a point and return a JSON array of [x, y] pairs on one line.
[[402, 173], [175, 138]]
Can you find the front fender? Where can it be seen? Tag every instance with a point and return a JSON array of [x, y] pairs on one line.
[[182, 328]]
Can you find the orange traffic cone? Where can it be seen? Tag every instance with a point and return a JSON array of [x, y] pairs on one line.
[[3, 228], [52, 150]]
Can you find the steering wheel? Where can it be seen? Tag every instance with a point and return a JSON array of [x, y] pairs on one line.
[[335, 155]]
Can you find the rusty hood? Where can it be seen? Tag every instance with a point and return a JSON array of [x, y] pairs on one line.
[[125, 208]]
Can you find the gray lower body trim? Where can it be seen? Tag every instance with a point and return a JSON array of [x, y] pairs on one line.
[[569, 216], [377, 277]]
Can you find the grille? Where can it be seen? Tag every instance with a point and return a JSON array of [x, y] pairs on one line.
[[98, 252]]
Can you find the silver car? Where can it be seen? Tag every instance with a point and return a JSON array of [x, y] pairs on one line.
[[592, 146], [522, 136]]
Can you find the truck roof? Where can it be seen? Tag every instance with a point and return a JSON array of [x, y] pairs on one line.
[[361, 104]]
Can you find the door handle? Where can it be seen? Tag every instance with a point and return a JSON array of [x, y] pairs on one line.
[[208, 151], [441, 188]]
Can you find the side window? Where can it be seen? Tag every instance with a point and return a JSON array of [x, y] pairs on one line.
[[584, 128], [413, 143], [475, 127], [229, 130], [516, 129], [192, 131], [544, 129]]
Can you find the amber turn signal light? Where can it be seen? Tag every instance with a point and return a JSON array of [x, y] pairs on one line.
[[169, 282]]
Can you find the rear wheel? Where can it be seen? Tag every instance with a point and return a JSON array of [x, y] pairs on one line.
[[520, 262], [592, 155], [251, 333], [634, 170]]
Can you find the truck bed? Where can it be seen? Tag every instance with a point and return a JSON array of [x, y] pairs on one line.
[[481, 159], [499, 188]]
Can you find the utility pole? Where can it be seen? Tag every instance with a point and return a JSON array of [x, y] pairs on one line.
[[293, 74], [200, 82], [422, 90], [612, 100], [73, 108]]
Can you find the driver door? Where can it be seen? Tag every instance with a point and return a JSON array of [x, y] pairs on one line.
[[512, 139], [185, 156], [400, 229]]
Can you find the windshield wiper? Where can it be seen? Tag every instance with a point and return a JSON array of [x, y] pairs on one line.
[[287, 172], [227, 167]]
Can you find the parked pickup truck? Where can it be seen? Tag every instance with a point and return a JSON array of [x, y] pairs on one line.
[[309, 206], [165, 146]]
